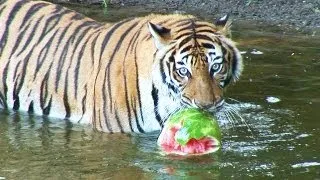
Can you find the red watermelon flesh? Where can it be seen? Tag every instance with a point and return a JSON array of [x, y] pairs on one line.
[[169, 145], [190, 132]]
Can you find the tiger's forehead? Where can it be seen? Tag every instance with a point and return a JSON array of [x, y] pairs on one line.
[[198, 46], [196, 37], [192, 25]]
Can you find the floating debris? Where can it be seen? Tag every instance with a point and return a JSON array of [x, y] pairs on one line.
[[305, 164], [243, 52], [271, 99], [256, 52], [302, 136]]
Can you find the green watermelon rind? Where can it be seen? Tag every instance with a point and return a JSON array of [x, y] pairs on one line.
[[196, 124]]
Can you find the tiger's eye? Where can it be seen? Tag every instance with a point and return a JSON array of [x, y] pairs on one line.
[[183, 71], [215, 67]]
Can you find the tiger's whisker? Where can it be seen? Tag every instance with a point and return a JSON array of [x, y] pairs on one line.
[[242, 120]]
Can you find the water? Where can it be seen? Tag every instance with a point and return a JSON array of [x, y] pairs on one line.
[[278, 96]]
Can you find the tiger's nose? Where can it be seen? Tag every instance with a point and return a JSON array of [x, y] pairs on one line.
[[209, 104]]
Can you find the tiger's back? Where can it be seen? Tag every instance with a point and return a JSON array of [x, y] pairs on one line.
[[56, 62]]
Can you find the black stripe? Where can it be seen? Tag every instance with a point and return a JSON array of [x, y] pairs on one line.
[[131, 44], [163, 74], [43, 90], [52, 21], [3, 102], [108, 35], [234, 62], [171, 83], [30, 36], [16, 70], [185, 41], [16, 103], [4, 78], [118, 121], [62, 60], [208, 45], [77, 16], [66, 103], [162, 22], [206, 31], [94, 120], [14, 93], [127, 101], [171, 59], [3, 42], [10, 19], [100, 123], [186, 49], [31, 108], [217, 57], [133, 41], [155, 98], [104, 43], [93, 44], [197, 25], [136, 115], [162, 61], [79, 38], [186, 28], [105, 104], [124, 34], [65, 49], [24, 70], [127, 98], [44, 58], [182, 35], [84, 100], [77, 68], [46, 110], [180, 63], [182, 22], [201, 36], [19, 39], [65, 98], [31, 12], [138, 91], [94, 104], [224, 53], [3, 7], [107, 123]]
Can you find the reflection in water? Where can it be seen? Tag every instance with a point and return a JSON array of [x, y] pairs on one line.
[[283, 141]]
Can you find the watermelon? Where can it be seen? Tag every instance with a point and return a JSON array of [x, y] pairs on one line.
[[190, 132]]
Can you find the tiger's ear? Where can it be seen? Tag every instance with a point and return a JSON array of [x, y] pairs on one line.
[[161, 35], [223, 25]]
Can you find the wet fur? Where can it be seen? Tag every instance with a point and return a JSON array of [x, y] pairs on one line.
[[56, 62]]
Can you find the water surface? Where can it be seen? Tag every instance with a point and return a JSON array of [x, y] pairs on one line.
[[278, 96]]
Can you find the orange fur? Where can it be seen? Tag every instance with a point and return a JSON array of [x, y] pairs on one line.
[[56, 62]]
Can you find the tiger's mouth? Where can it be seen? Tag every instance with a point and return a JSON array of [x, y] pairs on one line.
[[213, 108], [218, 106]]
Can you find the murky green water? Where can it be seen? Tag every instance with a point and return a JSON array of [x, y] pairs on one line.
[[284, 143]]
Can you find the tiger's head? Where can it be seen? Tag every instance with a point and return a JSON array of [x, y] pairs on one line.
[[195, 61]]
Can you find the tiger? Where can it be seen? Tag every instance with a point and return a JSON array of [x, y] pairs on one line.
[[123, 77]]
